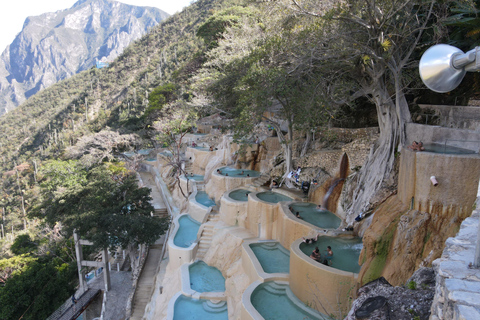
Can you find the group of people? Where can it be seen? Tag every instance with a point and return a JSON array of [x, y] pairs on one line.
[[316, 255]]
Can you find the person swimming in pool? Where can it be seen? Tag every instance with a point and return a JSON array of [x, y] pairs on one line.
[[316, 255], [297, 214], [329, 255]]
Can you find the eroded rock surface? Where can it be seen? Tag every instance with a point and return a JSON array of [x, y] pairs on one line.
[[399, 303]]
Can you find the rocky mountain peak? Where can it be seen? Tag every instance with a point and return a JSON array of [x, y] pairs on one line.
[[56, 45]]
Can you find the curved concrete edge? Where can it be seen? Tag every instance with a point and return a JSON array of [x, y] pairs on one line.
[[179, 255], [171, 306], [248, 311], [233, 212], [301, 305], [189, 292], [252, 266]]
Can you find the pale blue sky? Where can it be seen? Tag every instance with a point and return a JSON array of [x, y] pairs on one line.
[[14, 12]]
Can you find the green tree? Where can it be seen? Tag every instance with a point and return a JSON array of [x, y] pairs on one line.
[[110, 210], [364, 49]]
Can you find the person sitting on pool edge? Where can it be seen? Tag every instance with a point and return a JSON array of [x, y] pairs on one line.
[[310, 240], [297, 214]]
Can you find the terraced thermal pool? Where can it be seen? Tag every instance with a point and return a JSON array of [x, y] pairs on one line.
[[273, 303], [239, 173], [318, 217], [273, 257], [187, 232], [239, 195], [272, 197], [204, 278], [345, 251]]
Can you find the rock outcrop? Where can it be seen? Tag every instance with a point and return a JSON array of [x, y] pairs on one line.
[[54, 46], [380, 300]]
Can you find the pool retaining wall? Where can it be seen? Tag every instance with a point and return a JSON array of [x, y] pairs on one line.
[[323, 288]]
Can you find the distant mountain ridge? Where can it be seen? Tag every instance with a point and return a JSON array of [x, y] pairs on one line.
[[54, 46]]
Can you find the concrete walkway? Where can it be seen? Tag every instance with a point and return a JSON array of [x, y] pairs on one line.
[[145, 284], [157, 199]]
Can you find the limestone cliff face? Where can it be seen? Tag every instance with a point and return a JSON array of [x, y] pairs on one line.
[[54, 46], [400, 240]]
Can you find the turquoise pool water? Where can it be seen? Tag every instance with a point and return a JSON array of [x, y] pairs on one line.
[[239, 195], [272, 302], [144, 152], [204, 278], [151, 159], [202, 198], [272, 197], [345, 251], [320, 218], [202, 148], [192, 309], [196, 177], [440, 148], [273, 257], [187, 232], [237, 173]]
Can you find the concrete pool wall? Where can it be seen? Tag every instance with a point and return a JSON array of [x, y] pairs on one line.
[[457, 175], [326, 289], [219, 184], [274, 221], [233, 212]]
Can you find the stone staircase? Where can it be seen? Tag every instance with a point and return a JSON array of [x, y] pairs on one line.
[[144, 289], [264, 178], [160, 212], [207, 234], [188, 167]]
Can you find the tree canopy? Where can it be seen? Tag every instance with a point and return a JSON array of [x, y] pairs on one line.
[[108, 209]]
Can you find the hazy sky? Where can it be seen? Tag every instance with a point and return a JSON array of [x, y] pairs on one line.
[[14, 12]]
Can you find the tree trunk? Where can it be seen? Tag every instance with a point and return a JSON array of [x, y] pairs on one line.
[[306, 144], [392, 116]]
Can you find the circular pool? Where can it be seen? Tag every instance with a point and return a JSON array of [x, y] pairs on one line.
[[272, 197], [239, 194], [345, 251], [318, 217], [238, 173]]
